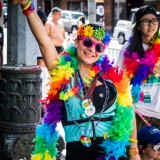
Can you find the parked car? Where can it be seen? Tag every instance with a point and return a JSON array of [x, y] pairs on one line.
[[70, 19], [123, 28]]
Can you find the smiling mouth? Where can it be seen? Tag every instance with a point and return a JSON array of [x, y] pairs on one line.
[[88, 54]]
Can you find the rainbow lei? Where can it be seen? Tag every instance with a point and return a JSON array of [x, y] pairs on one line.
[[117, 137], [139, 69]]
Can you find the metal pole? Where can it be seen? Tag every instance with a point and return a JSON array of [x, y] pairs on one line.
[[118, 12], [92, 11]]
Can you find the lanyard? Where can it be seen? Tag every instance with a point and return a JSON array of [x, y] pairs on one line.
[[143, 118]]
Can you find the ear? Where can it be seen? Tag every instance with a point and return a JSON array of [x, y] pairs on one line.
[[141, 150], [144, 151]]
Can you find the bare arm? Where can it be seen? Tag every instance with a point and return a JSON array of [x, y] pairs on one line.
[[134, 144], [46, 46]]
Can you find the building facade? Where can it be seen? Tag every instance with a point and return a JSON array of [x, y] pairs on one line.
[[113, 9]]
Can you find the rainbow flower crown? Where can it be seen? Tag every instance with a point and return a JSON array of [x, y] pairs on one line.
[[98, 33]]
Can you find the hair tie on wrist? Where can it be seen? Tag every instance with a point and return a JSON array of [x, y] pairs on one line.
[[29, 10], [27, 5], [133, 140], [133, 151]]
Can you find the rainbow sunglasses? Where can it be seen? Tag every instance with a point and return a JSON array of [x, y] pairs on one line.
[[87, 42]]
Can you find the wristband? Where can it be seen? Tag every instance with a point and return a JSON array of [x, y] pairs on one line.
[[29, 10], [133, 151], [133, 140], [27, 5]]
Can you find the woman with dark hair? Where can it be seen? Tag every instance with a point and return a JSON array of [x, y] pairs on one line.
[[86, 93], [140, 58]]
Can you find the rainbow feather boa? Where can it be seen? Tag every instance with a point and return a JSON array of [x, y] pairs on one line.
[[118, 135], [139, 69]]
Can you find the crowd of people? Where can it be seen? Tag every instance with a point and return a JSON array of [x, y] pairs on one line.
[[107, 112]]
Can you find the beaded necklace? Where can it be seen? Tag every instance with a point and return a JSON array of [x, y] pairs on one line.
[[89, 91], [92, 117]]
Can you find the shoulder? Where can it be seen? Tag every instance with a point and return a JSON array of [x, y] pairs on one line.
[[49, 23], [124, 48]]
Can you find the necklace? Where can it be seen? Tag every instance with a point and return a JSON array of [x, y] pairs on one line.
[[81, 127], [87, 79], [88, 91], [85, 94]]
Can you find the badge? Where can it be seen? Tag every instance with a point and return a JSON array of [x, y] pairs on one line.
[[86, 141], [147, 97], [91, 111], [87, 103]]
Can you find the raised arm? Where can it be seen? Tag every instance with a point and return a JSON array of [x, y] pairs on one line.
[[46, 46]]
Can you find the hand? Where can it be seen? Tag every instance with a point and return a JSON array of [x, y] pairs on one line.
[[135, 157], [22, 2]]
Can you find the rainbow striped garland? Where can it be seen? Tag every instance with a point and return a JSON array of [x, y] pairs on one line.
[[117, 137], [139, 69]]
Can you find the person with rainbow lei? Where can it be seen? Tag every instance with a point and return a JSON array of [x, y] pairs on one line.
[[87, 94], [140, 58]]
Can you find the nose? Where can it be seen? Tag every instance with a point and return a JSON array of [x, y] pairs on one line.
[[151, 22], [92, 48]]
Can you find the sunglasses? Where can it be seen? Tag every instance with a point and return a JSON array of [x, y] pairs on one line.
[[155, 147], [87, 42]]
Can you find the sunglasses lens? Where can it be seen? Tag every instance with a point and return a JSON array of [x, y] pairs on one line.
[[87, 42], [99, 48], [156, 147]]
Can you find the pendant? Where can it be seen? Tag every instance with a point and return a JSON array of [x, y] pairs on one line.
[[91, 111], [87, 103], [85, 140]]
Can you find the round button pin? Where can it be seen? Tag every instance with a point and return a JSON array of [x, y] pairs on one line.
[[91, 111]]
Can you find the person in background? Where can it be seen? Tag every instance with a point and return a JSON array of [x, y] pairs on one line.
[[81, 21], [149, 143], [42, 15], [140, 59], [1, 35], [87, 94], [85, 11], [55, 29]]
